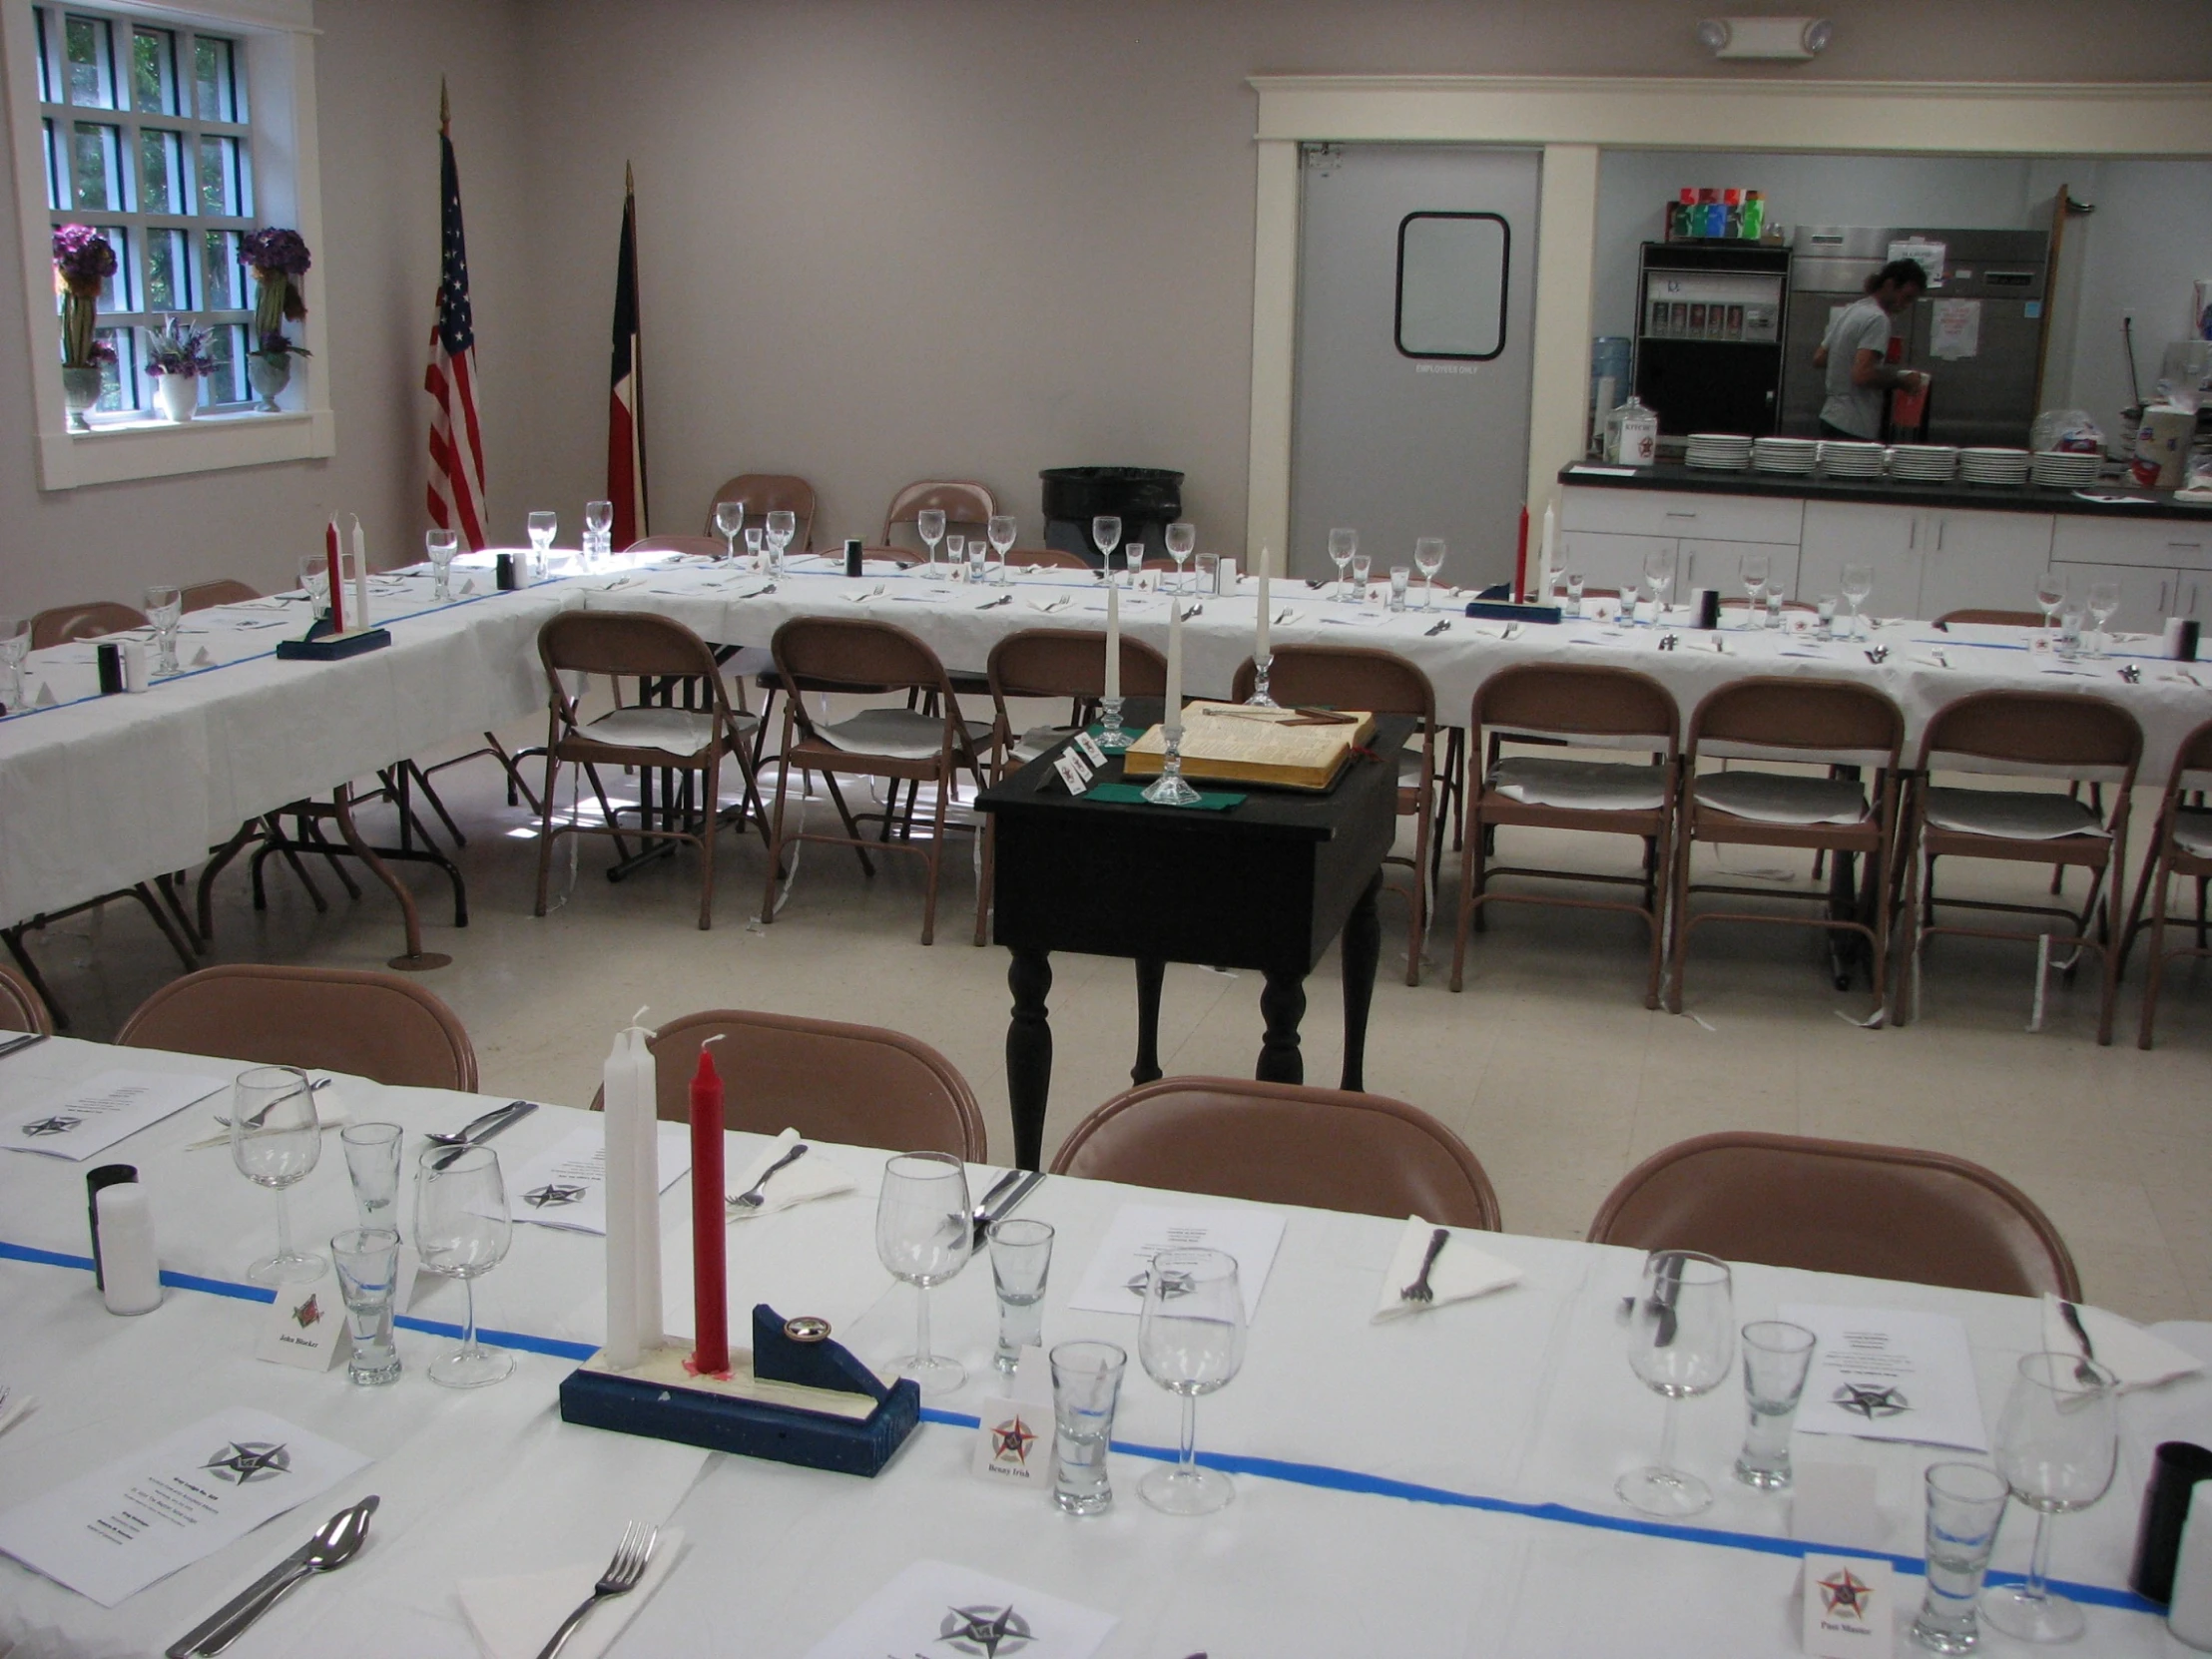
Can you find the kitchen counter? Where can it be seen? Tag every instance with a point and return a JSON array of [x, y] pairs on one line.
[[1886, 492]]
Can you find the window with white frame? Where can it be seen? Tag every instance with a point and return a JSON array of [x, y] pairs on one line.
[[145, 126]]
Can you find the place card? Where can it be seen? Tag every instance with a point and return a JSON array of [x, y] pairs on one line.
[[1014, 1432], [1093, 756], [937, 1607], [132, 1522], [305, 1326], [80, 1120], [1849, 1607], [1072, 772], [565, 1186], [1885, 1373], [1115, 1281]]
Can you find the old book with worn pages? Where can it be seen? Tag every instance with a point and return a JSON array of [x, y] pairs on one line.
[[1233, 743]]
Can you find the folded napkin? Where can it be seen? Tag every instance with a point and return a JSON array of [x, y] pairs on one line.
[[2139, 1358], [814, 1176], [1460, 1272], [513, 1618]]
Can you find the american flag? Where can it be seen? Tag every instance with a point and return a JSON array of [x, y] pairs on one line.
[[456, 444], [626, 407]]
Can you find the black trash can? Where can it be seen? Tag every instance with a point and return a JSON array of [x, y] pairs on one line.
[[1145, 498]]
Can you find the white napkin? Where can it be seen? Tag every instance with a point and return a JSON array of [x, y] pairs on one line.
[[513, 1618], [2139, 1358], [1460, 1272], [814, 1176]]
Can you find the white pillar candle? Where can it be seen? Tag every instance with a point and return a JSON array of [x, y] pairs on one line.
[[2189, 1616], [617, 1109], [130, 1268], [1113, 635], [360, 578], [645, 1125], [1552, 531], [1259, 635], [1174, 710]]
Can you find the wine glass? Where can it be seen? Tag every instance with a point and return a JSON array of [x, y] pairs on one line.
[[2057, 1446], [1002, 531], [315, 576], [1341, 545], [2050, 597], [15, 645], [1106, 536], [783, 526], [1191, 1338], [924, 1235], [462, 1227], [542, 527], [599, 526], [1681, 1342], [1659, 572], [955, 553], [276, 1140], [1428, 558], [729, 524], [1856, 586], [2103, 600], [1755, 569], [441, 545], [165, 609], [930, 526], [1182, 543]]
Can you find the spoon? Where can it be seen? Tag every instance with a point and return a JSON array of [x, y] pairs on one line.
[[335, 1544]]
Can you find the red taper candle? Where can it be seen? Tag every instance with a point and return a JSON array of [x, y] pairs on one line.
[[710, 1292], [1520, 558], [337, 579]]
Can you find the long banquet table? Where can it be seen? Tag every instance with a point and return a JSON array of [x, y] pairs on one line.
[[1436, 1485], [103, 792]]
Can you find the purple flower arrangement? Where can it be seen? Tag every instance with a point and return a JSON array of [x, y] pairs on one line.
[[278, 258], [83, 260], [176, 348]]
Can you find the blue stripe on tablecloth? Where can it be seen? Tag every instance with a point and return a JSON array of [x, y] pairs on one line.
[[1320, 1475]]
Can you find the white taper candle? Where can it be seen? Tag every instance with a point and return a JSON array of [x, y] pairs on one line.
[[360, 578], [1259, 634], [1113, 635], [617, 1109], [1173, 714]]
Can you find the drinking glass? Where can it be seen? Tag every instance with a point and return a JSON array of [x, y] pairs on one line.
[[1191, 1338], [955, 554], [1681, 1340], [924, 1235], [1776, 597], [1402, 578], [1106, 536], [783, 526], [1858, 586], [372, 1165], [978, 551], [315, 576], [462, 1227], [2057, 1446], [542, 528], [276, 1139], [1002, 530], [2103, 600], [1625, 617], [165, 609], [729, 524], [1362, 564], [369, 1274], [1659, 572], [2050, 595], [1428, 558], [1574, 593], [2070, 635], [1021, 1257], [599, 526], [1827, 613], [1965, 1507], [930, 526], [1086, 1387], [1341, 545], [1182, 543], [1776, 1356], [441, 545], [752, 539], [1755, 569], [15, 645]]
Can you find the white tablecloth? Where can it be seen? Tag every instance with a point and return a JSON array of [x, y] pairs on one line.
[[1504, 1420]]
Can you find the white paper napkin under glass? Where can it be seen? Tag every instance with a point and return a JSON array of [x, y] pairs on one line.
[[513, 1618], [1461, 1270], [2139, 1358], [814, 1176]]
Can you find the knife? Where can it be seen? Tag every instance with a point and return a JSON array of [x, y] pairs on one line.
[[1016, 1185], [29, 1039]]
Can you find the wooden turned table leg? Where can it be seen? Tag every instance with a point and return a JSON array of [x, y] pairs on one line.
[[1029, 1054]]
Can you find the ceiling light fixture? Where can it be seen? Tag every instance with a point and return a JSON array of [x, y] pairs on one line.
[[1772, 39]]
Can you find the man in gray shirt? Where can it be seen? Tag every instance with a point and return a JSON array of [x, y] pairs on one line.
[[1855, 354]]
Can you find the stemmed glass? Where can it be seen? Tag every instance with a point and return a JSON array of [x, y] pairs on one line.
[[2103, 599], [729, 524], [1106, 536], [1428, 558], [1659, 572], [599, 526], [1858, 585], [1341, 545], [1681, 1342], [930, 526], [1755, 568], [924, 1235], [2057, 1446], [15, 645], [441, 545], [2050, 597], [276, 1140], [165, 609], [1002, 531], [1182, 543], [1191, 1338], [783, 526], [462, 1227], [315, 576], [542, 527]]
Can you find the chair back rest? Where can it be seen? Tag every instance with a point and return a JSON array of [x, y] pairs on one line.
[[1577, 702], [1879, 1212], [857, 1084], [2037, 729], [67, 623], [859, 656], [622, 642], [1343, 677], [712, 547], [769, 492], [1071, 661], [201, 596], [21, 1008], [961, 503], [1993, 619], [1820, 717], [1278, 1143], [382, 1026]]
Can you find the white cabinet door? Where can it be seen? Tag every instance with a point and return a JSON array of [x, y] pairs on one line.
[[1982, 561], [2147, 595], [1887, 538], [1604, 560], [1719, 564]]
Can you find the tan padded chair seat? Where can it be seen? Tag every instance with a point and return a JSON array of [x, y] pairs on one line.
[[678, 730], [1780, 798], [906, 734], [2193, 832], [2015, 815], [1587, 786]]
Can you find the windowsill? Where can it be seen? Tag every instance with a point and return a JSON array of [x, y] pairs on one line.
[[105, 425], [121, 447]]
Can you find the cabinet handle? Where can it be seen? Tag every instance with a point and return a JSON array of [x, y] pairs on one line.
[[1689, 566], [2162, 587], [1940, 525], [2193, 546], [1913, 537], [1673, 514]]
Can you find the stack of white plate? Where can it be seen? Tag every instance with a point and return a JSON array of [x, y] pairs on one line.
[[1923, 463], [1719, 451], [1785, 455], [1993, 466], [1851, 460], [2061, 469]]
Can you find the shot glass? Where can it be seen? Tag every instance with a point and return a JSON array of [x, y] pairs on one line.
[[1776, 1359], [1574, 593], [1402, 578], [1022, 1256], [1361, 565], [1775, 597], [1086, 1385], [1827, 614], [368, 1269], [372, 1165], [1208, 566], [1965, 1507], [2070, 635]]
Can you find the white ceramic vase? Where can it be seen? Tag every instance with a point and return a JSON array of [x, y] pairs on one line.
[[177, 394]]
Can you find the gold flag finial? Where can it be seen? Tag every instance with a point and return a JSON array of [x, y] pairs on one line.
[[446, 109]]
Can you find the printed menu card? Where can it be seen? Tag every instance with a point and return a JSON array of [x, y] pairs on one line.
[[111, 1533], [1116, 1279], [937, 1607], [79, 1120], [1884, 1374], [565, 1186]]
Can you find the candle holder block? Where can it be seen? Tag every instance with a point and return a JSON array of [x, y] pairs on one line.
[[320, 644]]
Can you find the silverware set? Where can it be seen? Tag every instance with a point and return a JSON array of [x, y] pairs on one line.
[[479, 1130], [335, 1542], [1006, 1193]]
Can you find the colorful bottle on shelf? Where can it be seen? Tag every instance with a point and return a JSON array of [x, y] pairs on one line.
[[1732, 214], [1755, 216], [1681, 222]]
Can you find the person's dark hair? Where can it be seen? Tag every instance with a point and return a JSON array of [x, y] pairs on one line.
[[1903, 273]]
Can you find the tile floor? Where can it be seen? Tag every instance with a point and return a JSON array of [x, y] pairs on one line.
[[1547, 1064]]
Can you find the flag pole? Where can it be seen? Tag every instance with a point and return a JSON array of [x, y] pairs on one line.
[[637, 364], [445, 111]]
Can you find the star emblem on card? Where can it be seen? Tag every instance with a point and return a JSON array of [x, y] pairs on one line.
[[308, 1315], [989, 1631], [1844, 1594], [243, 1463], [552, 1196], [58, 1125], [1011, 1440], [1871, 1402]]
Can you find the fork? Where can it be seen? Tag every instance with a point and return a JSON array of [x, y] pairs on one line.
[[757, 1195], [2084, 1372], [1419, 1290], [620, 1578]]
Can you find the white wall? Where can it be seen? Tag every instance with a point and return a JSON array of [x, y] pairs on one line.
[[2150, 237]]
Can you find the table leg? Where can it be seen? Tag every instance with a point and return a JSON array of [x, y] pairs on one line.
[[1283, 1005], [1152, 973], [417, 959], [1363, 948], [1845, 950], [1029, 1054]]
